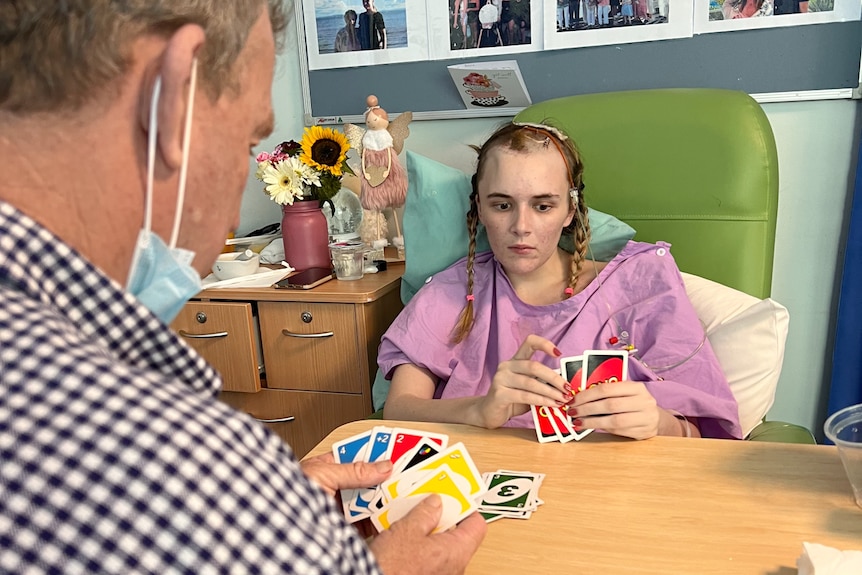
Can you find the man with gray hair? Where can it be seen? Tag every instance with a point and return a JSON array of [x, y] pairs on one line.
[[125, 134]]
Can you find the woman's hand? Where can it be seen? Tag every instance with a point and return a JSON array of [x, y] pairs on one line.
[[521, 382], [624, 408]]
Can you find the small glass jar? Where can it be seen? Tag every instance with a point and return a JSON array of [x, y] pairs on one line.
[[347, 259]]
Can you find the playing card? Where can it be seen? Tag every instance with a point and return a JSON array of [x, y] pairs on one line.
[[561, 423], [351, 449], [604, 366], [545, 430], [441, 480], [347, 451], [378, 447], [456, 457], [425, 449], [511, 491], [570, 369], [403, 440], [599, 367]]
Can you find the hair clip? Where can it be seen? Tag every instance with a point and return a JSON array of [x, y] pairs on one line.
[[542, 127], [470, 297], [573, 193], [570, 291]]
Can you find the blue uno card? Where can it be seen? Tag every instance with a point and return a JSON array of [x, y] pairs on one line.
[[347, 451], [351, 449], [378, 449]]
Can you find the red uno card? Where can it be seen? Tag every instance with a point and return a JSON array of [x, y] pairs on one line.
[[562, 424], [545, 430], [604, 366], [403, 440], [570, 369]]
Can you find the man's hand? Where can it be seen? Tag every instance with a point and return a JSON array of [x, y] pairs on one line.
[[332, 476], [409, 548]]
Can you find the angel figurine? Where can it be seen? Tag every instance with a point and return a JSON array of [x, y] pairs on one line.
[[383, 178]]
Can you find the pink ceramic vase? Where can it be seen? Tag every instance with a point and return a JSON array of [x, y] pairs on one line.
[[305, 235]]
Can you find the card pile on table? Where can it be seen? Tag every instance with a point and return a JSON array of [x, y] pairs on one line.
[[594, 367], [510, 494], [425, 463]]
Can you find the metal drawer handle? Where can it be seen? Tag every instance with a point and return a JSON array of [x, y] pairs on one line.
[[202, 335], [287, 419], [308, 335]]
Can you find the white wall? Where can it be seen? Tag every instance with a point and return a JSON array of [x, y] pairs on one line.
[[816, 154]]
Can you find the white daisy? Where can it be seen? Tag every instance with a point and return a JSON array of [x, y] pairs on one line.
[[284, 180]]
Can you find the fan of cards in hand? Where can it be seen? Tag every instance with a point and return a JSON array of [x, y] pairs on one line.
[[424, 463], [594, 367]]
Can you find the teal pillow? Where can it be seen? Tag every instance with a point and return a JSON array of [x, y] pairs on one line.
[[435, 229], [435, 232]]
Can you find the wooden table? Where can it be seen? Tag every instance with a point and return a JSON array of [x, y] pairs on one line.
[[665, 505]]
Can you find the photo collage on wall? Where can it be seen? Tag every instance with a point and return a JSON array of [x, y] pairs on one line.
[[350, 33]]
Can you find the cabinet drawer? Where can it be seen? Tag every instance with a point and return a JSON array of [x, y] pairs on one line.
[[314, 415], [312, 346], [224, 334]]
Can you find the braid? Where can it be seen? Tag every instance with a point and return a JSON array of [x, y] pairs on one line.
[[582, 241], [465, 321]]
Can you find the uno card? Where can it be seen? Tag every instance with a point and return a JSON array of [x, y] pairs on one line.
[[604, 366], [511, 491], [456, 457], [351, 449], [443, 481], [545, 430], [347, 451], [378, 444], [561, 424], [378, 447], [570, 369], [403, 440], [424, 450]]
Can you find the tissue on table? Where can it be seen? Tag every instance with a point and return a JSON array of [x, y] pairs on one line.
[[819, 559], [272, 253]]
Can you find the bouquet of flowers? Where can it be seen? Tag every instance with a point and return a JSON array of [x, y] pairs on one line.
[[308, 170]]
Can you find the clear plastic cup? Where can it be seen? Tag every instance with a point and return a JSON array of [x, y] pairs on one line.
[[347, 259], [844, 429]]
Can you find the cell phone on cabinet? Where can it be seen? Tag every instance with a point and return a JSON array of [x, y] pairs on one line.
[[306, 279]]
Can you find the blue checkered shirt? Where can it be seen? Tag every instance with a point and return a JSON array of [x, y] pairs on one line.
[[116, 456]]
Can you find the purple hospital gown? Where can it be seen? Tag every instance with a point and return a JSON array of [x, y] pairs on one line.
[[639, 298]]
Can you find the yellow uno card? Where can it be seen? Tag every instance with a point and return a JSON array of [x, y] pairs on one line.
[[443, 481], [466, 475]]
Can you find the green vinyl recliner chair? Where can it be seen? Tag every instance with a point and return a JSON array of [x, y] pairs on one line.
[[697, 168]]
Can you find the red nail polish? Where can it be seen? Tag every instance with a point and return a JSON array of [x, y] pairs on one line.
[[568, 387], [572, 411], [557, 352], [577, 423]]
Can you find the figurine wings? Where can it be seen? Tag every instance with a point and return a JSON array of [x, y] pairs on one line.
[[397, 128]]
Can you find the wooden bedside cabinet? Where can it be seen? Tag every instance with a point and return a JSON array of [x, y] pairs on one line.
[[300, 360]]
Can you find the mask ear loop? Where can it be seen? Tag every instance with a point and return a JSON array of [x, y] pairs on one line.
[[184, 166], [152, 138]]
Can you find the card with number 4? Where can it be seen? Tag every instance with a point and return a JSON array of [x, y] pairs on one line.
[[347, 451]]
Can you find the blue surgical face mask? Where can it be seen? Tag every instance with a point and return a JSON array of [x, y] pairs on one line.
[[161, 275]]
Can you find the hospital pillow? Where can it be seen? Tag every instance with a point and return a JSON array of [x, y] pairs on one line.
[[747, 335], [435, 232]]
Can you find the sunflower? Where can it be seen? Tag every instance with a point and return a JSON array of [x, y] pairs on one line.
[[324, 149]]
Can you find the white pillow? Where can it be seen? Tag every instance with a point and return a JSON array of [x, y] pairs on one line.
[[747, 335]]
